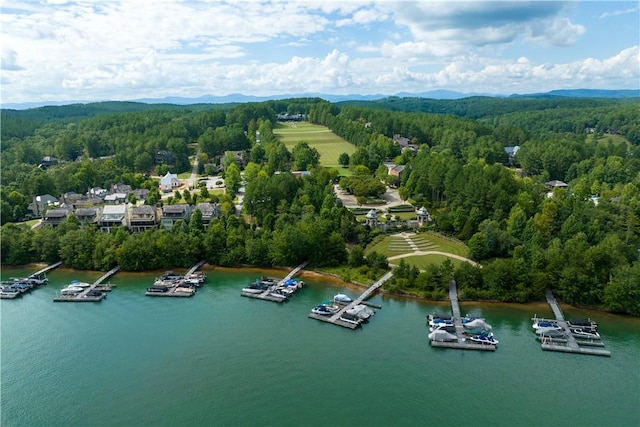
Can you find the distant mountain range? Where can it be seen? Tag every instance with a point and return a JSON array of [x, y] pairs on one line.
[[434, 94]]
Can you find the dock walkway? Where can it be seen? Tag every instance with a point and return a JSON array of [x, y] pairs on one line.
[[47, 269], [336, 318], [87, 295], [462, 343], [195, 267], [40, 274], [569, 344]]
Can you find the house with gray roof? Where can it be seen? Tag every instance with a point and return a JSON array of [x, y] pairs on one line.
[[113, 216], [55, 217], [88, 215], [143, 218], [174, 213], [209, 211]]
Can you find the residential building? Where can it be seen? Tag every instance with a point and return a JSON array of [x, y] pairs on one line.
[[113, 216], [143, 218], [90, 215], [209, 211], [169, 182], [55, 217], [41, 203], [115, 198], [174, 213]]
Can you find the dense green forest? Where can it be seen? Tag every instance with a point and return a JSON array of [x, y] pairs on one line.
[[582, 241]]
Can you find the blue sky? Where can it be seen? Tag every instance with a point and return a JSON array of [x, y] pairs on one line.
[[60, 50]]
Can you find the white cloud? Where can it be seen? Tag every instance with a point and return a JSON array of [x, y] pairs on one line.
[[132, 49]]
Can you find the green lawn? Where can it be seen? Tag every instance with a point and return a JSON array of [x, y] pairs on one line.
[[328, 144]]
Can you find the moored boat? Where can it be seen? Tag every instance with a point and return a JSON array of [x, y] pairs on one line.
[[342, 299], [361, 311], [584, 333], [440, 333], [584, 324], [324, 309], [350, 318], [486, 339]]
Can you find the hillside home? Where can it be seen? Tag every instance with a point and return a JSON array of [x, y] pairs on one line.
[[113, 216], [174, 213], [41, 203], [55, 217], [143, 218], [209, 211], [90, 215], [169, 182]]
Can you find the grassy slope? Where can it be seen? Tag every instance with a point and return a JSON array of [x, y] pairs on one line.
[[328, 144]]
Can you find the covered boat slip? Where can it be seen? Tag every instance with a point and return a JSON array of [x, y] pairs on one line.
[[568, 343]]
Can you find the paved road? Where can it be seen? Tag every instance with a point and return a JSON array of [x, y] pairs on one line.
[[390, 196]]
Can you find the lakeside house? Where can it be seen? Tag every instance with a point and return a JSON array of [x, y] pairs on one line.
[[113, 216], [209, 211], [55, 217], [41, 203], [174, 213], [89, 215], [143, 218]]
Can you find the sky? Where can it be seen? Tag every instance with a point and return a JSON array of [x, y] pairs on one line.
[[58, 50]]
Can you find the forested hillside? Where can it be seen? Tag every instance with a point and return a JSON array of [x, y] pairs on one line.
[[582, 241]]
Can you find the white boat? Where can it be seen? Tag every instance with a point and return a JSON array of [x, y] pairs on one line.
[[486, 339], [71, 290], [277, 293], [196, 278], [584, 324], [324, 309], [362, 311], [547, 328], [477, 324], [583, 333], [441, 334], [342, 299], [434, 323], [256, 287]]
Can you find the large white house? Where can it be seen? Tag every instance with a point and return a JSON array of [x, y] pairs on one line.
[[169, 182]]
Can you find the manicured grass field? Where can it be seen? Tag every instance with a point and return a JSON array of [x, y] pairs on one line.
[[328, 144]]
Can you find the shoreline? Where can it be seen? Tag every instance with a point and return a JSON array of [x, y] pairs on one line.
[[336, 280]]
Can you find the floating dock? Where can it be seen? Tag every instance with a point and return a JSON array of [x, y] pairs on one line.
[[266, 295], [179, 289], [40, 275], [569, 344], [87, 295], [336, 318], [462, 343]]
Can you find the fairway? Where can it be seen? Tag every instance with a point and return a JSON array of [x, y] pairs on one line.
[[328, 144]]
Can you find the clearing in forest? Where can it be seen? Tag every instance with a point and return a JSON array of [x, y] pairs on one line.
[[328, 144]]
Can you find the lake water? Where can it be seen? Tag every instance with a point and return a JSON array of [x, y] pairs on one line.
[[221, 359]]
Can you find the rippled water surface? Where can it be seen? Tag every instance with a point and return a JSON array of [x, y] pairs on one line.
[[221, 359]]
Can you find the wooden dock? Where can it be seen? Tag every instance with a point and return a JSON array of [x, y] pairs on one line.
[[569, 344], [335, 318], [47, 269], [40, 274], [462, 342], [96, 286], [195, 267], [266, 295], [179, 289]]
